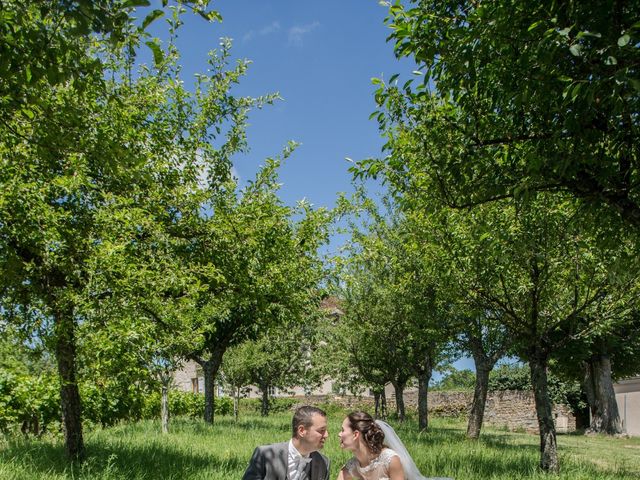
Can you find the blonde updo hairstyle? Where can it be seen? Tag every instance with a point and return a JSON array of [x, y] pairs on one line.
[[369, 430]]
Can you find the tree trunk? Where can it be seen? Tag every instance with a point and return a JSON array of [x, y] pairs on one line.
[[423, 401], [376, 403], [65, 350], [165, 409], [210, 369], [605, 417], [476, 415], [209, 390], [383, 404], [236, 403], [548, 446], [399, 391], [423, 371], [264, 409]]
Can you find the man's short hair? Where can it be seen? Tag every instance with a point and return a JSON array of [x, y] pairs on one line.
[[304, 416]]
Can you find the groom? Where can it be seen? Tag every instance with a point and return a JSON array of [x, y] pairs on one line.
[[297, 459]]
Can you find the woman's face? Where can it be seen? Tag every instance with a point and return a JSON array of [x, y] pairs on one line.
[[347, 436]]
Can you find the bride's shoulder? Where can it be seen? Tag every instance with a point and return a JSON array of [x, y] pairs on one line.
[[387, 454]]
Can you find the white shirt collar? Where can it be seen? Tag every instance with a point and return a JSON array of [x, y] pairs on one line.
[[297, 462], [293, 451]]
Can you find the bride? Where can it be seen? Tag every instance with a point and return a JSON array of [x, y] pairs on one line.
[[378, 453]]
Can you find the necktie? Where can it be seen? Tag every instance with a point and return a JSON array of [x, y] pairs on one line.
[[298, 470], [304, 461]]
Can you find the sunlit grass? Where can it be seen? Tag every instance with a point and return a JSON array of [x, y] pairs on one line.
[[196, 451]]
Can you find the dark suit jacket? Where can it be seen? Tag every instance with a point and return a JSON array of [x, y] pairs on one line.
[[270, 462]]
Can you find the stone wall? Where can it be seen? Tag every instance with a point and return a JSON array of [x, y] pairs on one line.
[[510, 409]]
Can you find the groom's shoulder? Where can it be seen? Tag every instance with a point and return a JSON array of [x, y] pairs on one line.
[[273, 446]]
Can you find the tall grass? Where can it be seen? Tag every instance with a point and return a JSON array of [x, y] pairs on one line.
[[195, 451]]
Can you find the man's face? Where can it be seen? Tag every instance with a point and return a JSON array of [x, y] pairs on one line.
[[313, 438]]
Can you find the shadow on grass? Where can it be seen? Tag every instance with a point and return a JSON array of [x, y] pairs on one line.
[[494, 455], [195, 426], [120, 460], [256, 424], [444, 435]]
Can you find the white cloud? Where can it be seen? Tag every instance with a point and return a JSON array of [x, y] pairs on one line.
[[297, 33], [274, 27], [247, 37], [266, 30]]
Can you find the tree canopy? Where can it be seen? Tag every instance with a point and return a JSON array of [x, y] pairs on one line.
[[516, 98]]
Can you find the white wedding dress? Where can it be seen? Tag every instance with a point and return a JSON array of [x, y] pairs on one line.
[[378, 469], [396, 447]]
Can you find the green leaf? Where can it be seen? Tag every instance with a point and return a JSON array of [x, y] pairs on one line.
[[635, 83], [151, 17], [610, 60], [136, 3], [565, 31], [158, 55], [534, 25], [576, 91], [210, 16], [575, 49], [587, 33], [624, 40]]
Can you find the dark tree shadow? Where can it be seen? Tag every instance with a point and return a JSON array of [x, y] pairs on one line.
[[123, 460]]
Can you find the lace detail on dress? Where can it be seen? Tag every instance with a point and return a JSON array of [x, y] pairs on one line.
[[378, 469]]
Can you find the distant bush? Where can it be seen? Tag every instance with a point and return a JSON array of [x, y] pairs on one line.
[[518, 377], [29, 403], [456, 380], [184, 404], [510, 377], [110, 403], [276, 405]]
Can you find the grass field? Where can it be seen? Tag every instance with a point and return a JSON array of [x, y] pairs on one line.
[[194, 451]]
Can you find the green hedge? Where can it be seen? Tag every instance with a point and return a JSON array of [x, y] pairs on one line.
[[28, 403], [184, 403], [31, 404]]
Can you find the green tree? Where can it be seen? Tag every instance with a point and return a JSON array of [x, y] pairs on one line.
[[534, 266], [391, 306], [340, 358], [84, 152], [485, 337], [281, 359], [473, 329], [236, 374], [258, 264], [518, 98]]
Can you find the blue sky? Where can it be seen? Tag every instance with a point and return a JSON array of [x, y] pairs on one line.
[[320, 57]]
